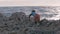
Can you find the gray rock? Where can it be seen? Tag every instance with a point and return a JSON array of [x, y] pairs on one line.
[[19, 23]]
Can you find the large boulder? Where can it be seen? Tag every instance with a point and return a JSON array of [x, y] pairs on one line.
[[19, 16], [44, 21]]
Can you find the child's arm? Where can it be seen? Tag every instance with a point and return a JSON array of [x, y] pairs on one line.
[[29, 16]]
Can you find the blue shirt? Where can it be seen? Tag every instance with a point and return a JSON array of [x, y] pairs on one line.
[[33, 13]]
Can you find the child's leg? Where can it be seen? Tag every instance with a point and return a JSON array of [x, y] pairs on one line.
[[37, 18], [35, 22]]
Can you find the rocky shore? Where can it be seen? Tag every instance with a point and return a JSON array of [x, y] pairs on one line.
[[19, 23]]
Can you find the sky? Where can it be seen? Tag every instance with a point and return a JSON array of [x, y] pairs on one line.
[[29, 2]]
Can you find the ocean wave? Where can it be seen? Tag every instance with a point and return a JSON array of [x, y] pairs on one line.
[[50, 13]]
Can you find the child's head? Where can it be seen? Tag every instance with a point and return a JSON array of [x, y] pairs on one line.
[[33, 10]]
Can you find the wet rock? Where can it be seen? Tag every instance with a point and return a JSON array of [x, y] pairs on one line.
[[58, 32], [19, 22], [13, 32], [44, 22], [20, 16]]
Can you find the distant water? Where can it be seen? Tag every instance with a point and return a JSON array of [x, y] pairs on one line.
[[50, 13]]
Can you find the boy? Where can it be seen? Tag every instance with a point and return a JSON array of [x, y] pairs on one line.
[[36, 16]]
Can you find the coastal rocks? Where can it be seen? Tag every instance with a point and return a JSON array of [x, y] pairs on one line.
[[19, 23], [20, 16]]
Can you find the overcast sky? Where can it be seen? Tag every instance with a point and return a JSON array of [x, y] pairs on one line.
[[29, 2]]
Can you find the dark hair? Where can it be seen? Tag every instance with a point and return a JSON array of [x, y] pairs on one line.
[[33, 10]]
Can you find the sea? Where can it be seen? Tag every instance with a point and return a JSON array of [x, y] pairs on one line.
[[45, 12]]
